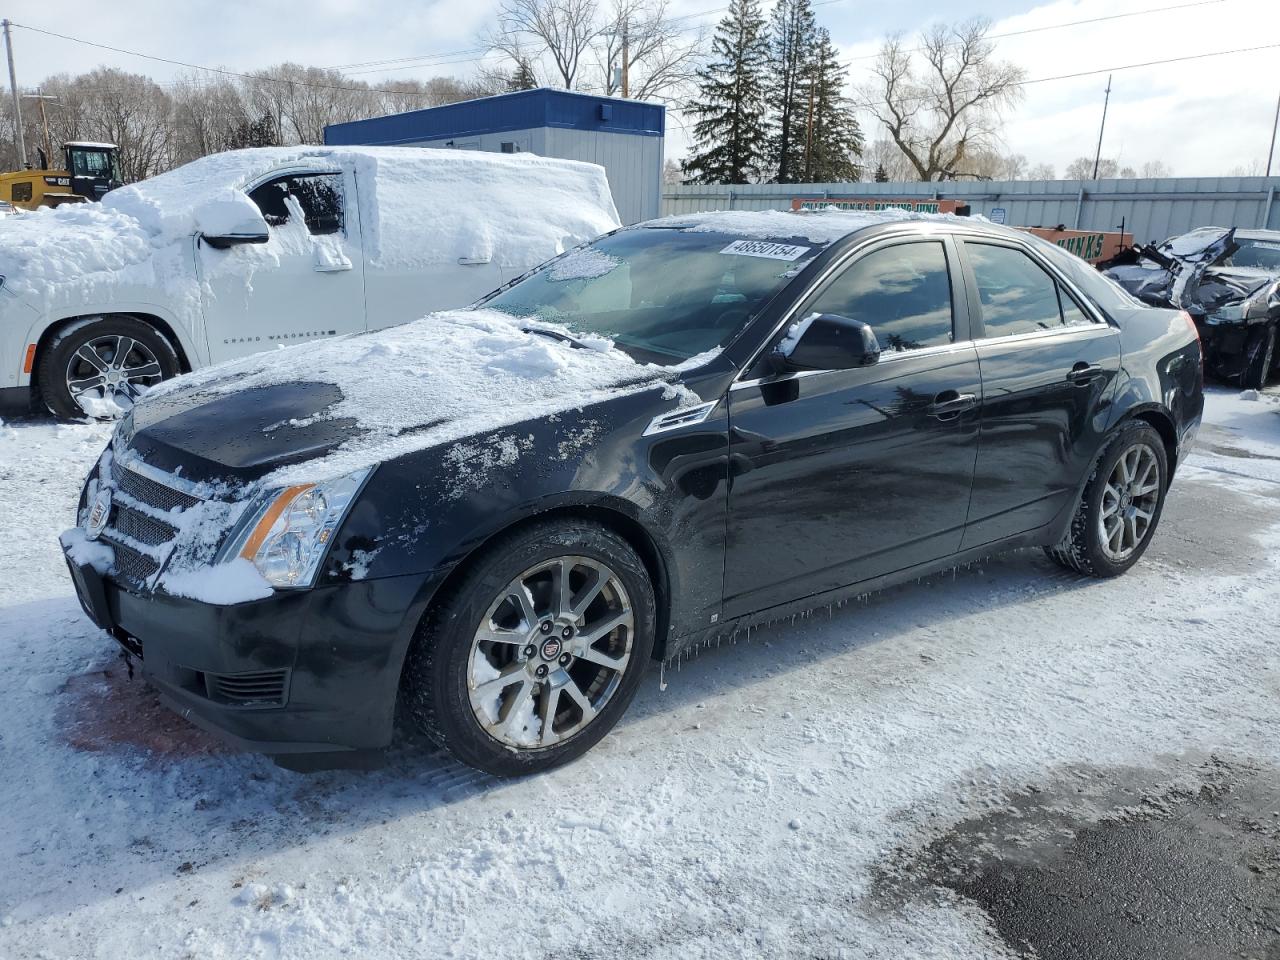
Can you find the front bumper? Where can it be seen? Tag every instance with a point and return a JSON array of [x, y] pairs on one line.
[[308, 671]]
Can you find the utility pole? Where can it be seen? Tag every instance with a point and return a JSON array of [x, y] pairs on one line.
[[17, 103], [808, 136], [1272, 149], [626, 57], [44, 121], [1097, 157]]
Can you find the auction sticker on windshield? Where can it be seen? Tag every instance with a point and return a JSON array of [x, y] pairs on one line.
[[765, 248]]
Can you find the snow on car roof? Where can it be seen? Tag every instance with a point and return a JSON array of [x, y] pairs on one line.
[[817, 226]]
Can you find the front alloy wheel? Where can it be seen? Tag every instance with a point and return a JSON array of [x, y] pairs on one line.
[[533, 655], [550, 652]]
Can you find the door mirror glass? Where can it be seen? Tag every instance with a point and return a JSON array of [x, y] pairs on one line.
[[827, 341]]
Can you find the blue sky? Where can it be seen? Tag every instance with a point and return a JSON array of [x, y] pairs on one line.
[[1204, 117]]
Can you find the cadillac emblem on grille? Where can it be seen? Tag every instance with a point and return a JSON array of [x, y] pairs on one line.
[[99, 514]]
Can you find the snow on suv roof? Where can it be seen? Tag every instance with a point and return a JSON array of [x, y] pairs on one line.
[[816, 226]]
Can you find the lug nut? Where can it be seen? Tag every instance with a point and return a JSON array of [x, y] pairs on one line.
[[545, 626], [564, 659], [541, 671], [567, 632], [530, 650]]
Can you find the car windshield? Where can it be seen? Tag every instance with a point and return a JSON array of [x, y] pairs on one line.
[[1264, 254], [661, 294]]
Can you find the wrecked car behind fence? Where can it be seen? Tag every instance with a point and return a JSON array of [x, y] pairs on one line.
[[1228, 280]]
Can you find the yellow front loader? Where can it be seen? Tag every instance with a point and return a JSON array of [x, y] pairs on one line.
[[89, 171]]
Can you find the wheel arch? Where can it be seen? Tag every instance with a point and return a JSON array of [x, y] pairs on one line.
[[1162, 423], [161, 325], [609, 517]]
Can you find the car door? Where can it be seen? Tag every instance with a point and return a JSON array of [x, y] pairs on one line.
[[1049, 361], [304, 283], [838, 476]]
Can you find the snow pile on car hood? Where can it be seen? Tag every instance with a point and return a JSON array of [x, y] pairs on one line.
[[447, 377]]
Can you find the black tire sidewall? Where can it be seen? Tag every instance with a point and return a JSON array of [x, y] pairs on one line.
[[437, 676], [1128, 437], [1259, 359], [53, 363]]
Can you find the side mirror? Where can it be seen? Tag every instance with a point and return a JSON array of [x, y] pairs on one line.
[[826, 341], [247, 232]]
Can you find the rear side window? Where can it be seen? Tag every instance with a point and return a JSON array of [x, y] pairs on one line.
[[903, 292], [1017, 295], [319, 195]]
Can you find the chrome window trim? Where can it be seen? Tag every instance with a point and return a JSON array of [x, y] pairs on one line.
[[1096, 329], [940, 349]]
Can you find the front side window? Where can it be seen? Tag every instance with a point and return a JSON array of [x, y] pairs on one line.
[[1017, 295], [317, 195], [662, 295], [903, 292]]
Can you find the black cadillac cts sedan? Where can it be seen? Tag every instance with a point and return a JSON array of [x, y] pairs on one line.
[[491, 520]]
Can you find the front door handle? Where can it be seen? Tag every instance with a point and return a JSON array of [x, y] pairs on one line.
[[1083, 373], [951, 403]]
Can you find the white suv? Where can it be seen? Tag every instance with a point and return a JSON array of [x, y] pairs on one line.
[[246, 250]]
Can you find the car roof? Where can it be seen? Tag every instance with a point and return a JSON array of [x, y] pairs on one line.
[[818, 227]]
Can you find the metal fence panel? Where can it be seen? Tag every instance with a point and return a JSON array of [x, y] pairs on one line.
[[1152, 209]]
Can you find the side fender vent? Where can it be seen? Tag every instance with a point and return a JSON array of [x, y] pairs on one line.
[[684, 417]]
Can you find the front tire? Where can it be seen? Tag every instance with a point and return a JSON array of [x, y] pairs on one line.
[[1259, 358], [97, 367], [1120, 506], [536, 653]]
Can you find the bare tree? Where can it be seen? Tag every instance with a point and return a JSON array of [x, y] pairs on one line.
[[1042, 171], [562, 30], [884, 155], [662, 58], [1155, 168], [940, 111], [1081, 168]]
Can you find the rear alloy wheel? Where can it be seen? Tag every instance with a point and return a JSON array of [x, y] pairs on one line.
[[100, 368], [537, 653], [1120, 506], [1259, 358]]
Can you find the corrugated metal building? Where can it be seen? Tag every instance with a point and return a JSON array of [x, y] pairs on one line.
[[623, 136], [1150, 209]]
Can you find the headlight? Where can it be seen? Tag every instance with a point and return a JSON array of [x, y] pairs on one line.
[[286, 533]]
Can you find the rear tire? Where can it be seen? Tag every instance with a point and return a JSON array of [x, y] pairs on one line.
[[97, 367], [1259, 358], [506, 647], [1120, 506]]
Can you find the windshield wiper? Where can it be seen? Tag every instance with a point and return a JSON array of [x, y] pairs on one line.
[[557, 335]]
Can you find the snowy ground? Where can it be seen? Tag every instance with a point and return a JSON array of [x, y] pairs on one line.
[[746, 811]]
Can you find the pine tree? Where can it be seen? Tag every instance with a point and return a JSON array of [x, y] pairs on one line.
[[833, 142], [730, 134], [522, 78], [791, 48], [881, 175]]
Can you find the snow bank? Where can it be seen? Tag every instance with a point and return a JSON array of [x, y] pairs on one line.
[[446, 377]]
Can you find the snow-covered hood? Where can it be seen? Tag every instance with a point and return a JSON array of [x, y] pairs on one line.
[[324, 409]]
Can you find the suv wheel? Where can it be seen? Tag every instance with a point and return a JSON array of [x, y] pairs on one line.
[[98, 367], [536, 654], [1120, 506]]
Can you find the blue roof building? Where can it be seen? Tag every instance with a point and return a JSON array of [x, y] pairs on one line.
[[623, 136]]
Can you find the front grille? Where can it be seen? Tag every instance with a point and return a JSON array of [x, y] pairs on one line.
[[140, 538], [130, 564], [146, 490], [263, 688], [142, 527]]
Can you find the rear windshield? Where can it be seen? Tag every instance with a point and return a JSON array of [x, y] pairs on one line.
[[661, 294]]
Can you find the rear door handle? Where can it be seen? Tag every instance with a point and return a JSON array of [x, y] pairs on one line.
[[951, 403], [1083, 373]]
